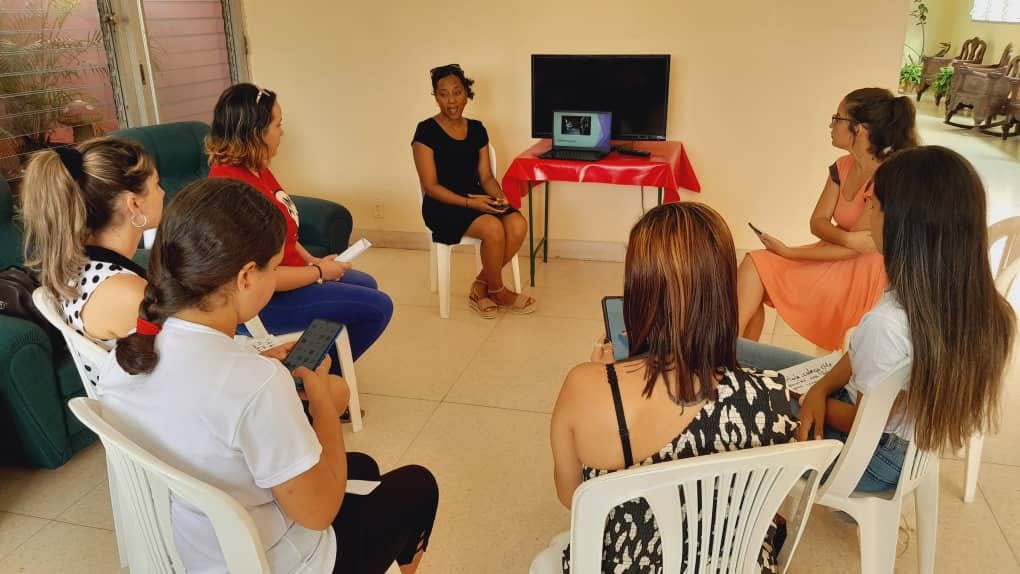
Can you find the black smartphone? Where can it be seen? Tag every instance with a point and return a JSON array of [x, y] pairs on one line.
[[755, 229], [312, 347], [616, 331]]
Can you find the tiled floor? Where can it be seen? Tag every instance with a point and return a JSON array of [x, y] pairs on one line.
[[471, 399]]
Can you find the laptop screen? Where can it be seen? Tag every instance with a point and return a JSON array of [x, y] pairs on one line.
[[582, 129]]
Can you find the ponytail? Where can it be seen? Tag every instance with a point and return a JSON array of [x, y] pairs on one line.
[[70, 194], [889, 119], [210, 230]]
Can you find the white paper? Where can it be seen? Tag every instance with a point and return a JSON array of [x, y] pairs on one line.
[[359, 247], [800, 378], [361, 487], [263, 344]]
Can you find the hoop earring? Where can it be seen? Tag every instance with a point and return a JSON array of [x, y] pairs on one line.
[[142, 224]]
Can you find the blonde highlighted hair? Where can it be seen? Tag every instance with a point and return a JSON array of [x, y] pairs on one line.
[[241, 117], [60, 213]]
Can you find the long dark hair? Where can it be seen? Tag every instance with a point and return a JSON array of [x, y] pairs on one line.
[[680, 298], [210, 230], [890, 119], [240, 118], [936, 256]]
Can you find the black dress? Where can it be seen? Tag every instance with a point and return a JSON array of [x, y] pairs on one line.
[[456, 170]]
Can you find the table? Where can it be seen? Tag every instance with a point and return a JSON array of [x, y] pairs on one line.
[[668, 168]]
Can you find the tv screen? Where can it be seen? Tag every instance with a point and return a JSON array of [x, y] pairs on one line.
[[634, 88]]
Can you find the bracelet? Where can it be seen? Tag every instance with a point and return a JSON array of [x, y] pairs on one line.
[[466, 202], [319, 269]]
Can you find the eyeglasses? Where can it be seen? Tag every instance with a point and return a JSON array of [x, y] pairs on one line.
[[839, 118], [447, 68], [262, 92]]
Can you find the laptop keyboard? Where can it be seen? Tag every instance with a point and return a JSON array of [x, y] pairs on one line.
[[573, 154]]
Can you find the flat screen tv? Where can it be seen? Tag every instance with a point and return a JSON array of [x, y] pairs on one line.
[[635, 88]]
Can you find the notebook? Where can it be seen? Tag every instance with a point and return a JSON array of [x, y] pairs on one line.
[[580, 136]]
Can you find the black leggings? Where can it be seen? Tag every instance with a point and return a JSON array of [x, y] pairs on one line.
[[391, 523]]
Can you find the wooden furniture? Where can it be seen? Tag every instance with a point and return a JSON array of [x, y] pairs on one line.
[[973, 52], [667, 168], [986, 91], [1012, 109]]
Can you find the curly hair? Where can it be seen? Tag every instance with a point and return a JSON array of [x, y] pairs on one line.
[[440, 72]]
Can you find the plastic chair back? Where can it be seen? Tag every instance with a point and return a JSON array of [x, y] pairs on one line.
[[145, 483], [747, 488], [83, 350], [1008, 264]]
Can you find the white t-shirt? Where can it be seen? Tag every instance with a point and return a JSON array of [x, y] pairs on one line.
[[879, 344], [227, 416]]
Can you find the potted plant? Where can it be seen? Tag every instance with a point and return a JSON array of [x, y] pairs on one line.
[[910, 76], [942, 82], [43, 68]]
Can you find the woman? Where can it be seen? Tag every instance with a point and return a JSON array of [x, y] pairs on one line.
[[685, 396], [220, 412], [245, 136], [84, 209], [821, 290], [941, 312], [462, 196]]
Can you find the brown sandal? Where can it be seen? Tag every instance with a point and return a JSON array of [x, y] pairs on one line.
[[522, 305], [485, 307]]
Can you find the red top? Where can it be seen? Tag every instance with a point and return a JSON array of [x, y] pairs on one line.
[[668, 167], [269, 187]]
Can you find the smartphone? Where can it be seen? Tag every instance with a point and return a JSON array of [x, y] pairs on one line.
[[759, 232], [311, 348], [616, 331]]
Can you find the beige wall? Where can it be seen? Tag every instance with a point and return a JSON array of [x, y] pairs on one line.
[[752, 87], [941, 19], [998, 35]]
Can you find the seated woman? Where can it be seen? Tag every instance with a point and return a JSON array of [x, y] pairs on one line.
[[684, 396], [245, 136], [823, 289], [84, 209], [462, 196], [184, 391], [941, 312]]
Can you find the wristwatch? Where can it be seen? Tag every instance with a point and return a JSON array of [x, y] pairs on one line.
[[319, 269]]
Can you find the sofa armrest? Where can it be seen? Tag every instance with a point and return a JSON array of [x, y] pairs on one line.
[[325, 225], [30, 396]]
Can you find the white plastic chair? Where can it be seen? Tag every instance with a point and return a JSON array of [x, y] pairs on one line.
[[343, 350], [1007, 231], [748, 487], [878, 514], [439, 257], [84, 350], [146, 486]]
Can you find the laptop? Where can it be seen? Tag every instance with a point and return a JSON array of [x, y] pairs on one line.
[[581, 136]]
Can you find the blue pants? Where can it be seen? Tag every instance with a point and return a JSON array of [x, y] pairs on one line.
[[883, 471], [354, 301]]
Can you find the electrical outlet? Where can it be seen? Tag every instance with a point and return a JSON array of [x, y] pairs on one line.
[[377, 210]]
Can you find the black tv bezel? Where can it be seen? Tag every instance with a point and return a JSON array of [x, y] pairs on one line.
[[548, 133]]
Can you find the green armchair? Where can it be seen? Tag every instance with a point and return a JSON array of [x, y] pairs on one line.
[[180, 158], [37, 378]]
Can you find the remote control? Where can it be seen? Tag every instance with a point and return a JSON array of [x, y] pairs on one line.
[[353, 251], [634, 152]]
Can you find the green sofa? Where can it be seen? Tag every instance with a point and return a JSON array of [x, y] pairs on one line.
[[36, 379]]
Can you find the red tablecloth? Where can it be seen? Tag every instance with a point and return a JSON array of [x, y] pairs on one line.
[[667, 167]]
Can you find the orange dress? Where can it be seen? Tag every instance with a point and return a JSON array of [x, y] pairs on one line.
[[820, 300]]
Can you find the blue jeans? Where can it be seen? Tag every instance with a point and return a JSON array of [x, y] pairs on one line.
[[354, 301], [883, 471]]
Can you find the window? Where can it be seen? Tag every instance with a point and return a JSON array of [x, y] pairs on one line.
[[996, 11]]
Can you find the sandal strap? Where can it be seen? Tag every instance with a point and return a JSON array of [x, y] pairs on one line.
[[500, 290]]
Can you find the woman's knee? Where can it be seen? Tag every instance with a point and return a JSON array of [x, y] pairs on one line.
[[487, 228], [515, 225], [359, 278]]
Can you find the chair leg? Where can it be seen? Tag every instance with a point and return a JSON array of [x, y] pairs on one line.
[[970, 475], [515, 264], [443, 269], [120, 526], [433, 286], [343, 351], [926, 502], [878, 529]]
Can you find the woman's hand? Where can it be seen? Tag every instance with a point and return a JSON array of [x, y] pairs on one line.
[[331, 270], [318, 389], [279, 353], [774, 245], [861, 241], [812, 414], [487, 204], [603, 352]]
